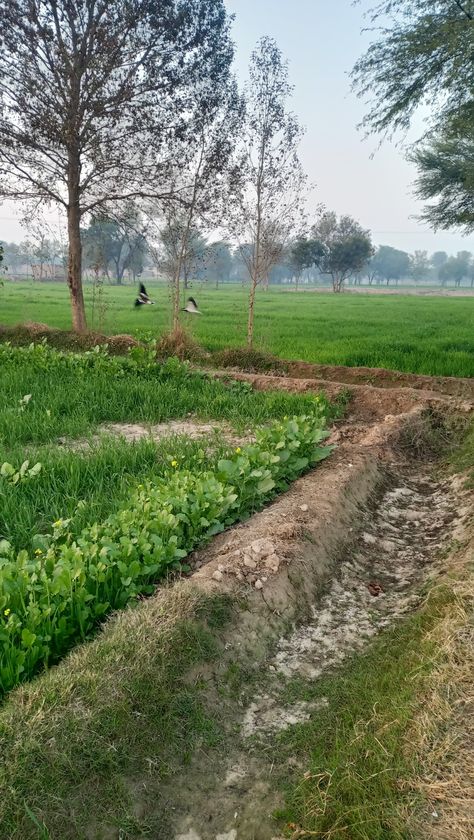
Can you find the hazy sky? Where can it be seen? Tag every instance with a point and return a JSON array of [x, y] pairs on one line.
[[322, 39]]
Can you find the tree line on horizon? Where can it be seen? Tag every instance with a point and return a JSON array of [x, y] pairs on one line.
[[119, 254]]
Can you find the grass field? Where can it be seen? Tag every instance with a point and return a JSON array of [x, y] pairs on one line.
[[430, 335]]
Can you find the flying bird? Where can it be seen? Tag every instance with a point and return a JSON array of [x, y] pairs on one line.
[[191, 307], [143, 298]]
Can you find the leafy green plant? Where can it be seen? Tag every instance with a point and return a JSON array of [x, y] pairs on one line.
[[24, 473], [55, 595]]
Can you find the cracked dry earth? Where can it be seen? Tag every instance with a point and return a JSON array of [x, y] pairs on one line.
[[389, 555]]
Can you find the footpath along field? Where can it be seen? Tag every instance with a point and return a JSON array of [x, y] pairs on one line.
[[430, 335]]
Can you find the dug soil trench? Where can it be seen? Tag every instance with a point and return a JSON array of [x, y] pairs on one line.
[[368, 402], [315, 576]]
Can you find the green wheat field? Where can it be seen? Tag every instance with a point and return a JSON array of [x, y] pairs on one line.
[[418, 334]]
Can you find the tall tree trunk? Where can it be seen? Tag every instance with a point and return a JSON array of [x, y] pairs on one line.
[[74, 271], [74, 268], [183, 251], [176, 284], [253, 287]]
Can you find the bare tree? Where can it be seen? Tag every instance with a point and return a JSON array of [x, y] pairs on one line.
[[266, 209], [205, 169], [93, 93], [178, 248]]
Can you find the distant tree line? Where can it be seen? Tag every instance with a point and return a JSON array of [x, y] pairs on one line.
[[122, 251]]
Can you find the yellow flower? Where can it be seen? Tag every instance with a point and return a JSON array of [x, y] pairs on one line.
[[58, 523], [38, 552], [6, 612], [174, 463], [238, 450]]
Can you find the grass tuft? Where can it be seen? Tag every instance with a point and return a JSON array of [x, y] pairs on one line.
[[180, 344], [119, 709]]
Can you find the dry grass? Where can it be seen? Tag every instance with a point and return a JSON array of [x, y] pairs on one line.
[[443, 732], [179, 343], [250, 359], [22, 334], [118, 708]]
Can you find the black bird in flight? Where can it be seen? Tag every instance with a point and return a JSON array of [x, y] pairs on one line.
[[143, 298], [191, 307]]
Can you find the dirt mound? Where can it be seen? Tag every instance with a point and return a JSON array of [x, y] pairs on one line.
[[248, 359], [35, 327], [122, 343], [180, 344], [21, 334], [381, 378]]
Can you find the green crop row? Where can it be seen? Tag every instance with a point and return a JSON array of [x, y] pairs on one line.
[[54, 596]]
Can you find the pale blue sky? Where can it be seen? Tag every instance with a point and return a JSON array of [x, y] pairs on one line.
[[322, 39]]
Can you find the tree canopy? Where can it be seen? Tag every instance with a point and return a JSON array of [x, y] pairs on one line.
[[446, 174], [422, 54], [457, 268], [390, 263], [341, 247]]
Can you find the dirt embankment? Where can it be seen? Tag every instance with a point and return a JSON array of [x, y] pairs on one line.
[[368, 403], [318, 574], [381, 378]]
